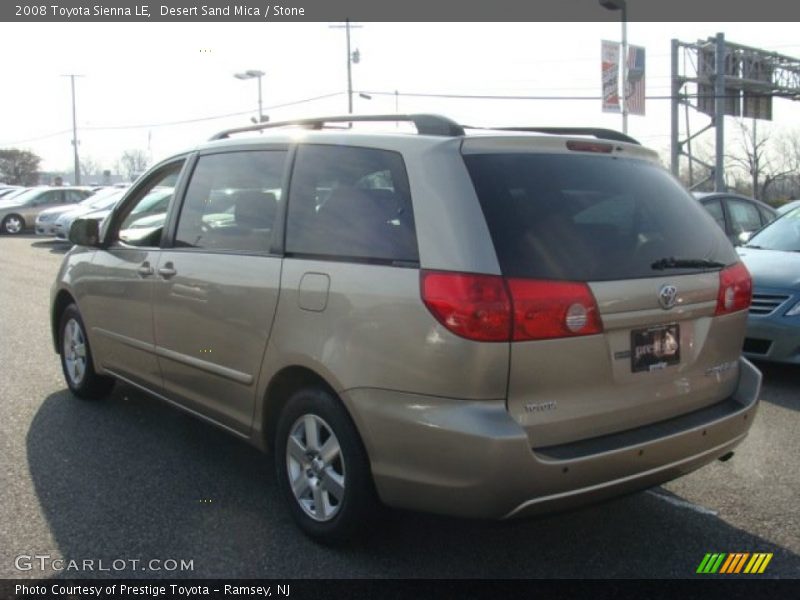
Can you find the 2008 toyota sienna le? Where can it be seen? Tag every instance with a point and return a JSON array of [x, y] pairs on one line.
[[482, 324]]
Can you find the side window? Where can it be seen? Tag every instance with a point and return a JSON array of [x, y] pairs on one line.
[[232, 201], [766, 216], [714, 208], [744, 216], [74, 196], [53, 197], [351, 203], [142, 220]]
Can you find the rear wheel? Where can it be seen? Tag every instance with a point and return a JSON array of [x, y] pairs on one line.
[[323, 469], [76, 358], [13, 224]]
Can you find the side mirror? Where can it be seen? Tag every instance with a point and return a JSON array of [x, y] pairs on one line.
[[85, 232], [744, 237]]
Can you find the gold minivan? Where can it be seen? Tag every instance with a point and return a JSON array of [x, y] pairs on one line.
[[480, 323]]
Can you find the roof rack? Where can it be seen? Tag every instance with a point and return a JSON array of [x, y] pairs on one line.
[[603, 134], [426, 124]]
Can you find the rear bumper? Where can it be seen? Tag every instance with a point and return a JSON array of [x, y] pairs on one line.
[[471, 459]]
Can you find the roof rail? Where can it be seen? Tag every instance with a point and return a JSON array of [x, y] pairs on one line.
[[426, 124], [603, 134]]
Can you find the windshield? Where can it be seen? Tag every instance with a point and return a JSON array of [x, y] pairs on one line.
[[12, 196], [781, 234], [105, 201], [25, 196], [592, 218]]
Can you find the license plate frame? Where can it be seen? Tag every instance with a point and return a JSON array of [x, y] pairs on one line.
[[655, 348]]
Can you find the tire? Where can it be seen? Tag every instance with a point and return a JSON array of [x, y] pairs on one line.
[[13, 225], [331, 498], [76, 358]]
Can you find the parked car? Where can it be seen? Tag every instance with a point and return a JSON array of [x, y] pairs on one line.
[[47, 219], [19, 213], [481, 325], [10, 190], [100, 202], [784, 208], [11, 194], [738, 216], [773, 258]]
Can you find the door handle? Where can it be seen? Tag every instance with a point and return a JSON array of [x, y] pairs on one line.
[[167, 271], [145, 270]]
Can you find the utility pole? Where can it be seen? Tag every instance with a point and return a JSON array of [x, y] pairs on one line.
[[719, 112], [351, 58], [75, 131]]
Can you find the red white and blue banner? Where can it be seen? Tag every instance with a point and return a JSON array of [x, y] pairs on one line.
[[610, 76], [635, 79]]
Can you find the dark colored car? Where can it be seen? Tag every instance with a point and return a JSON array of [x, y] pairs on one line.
[[737, 214]]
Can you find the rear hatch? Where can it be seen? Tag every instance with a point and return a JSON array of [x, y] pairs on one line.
[[614, 273]]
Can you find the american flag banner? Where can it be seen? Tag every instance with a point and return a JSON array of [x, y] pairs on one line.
[[634, 98]]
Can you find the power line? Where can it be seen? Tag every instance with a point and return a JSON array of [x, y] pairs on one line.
[[36, 139], [210, 118], [170, 123]]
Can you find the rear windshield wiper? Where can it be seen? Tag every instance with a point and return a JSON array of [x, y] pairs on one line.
[[671, 262]]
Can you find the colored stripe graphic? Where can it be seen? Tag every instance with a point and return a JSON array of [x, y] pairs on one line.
[[733, 563], [758, 563], [711, 563]]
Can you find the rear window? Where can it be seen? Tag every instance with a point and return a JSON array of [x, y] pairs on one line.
[[590, 218]]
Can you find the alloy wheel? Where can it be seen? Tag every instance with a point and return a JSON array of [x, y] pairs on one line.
[[315, 467], [74, 346]]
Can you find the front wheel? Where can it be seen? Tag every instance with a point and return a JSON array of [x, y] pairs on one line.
[[13, 224], [323, 469], [76, 358]]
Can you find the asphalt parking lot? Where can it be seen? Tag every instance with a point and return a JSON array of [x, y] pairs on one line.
[[131, 478]]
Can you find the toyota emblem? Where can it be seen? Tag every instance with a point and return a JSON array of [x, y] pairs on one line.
[[667, 296]]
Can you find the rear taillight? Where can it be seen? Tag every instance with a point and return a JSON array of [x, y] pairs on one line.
[[552, 309], [735, 289], [475, 307], [490, 308]]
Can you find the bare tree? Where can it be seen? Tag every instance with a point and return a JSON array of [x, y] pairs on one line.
[[132, 163], [89, 167], [756, 158]]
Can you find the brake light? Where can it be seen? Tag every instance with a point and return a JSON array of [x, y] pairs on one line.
[[581, 146], [735, 289], [553, 309], [490, 308], [476, 307]]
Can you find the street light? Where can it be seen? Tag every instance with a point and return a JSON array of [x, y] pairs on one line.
[[254, 74], [353, 58], [622, 5]]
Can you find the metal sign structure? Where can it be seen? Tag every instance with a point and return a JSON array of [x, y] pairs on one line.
[[744, 86]]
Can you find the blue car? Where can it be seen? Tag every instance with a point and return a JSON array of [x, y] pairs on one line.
[[773, 259]]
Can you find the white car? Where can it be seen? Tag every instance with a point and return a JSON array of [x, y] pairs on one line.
[[46, 220], [94, 207]]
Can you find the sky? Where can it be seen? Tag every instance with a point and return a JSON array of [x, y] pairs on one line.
[[137, 78]]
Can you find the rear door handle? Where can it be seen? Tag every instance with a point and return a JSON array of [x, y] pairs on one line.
[[145, 270], [167, 271]]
